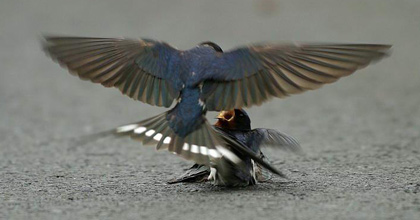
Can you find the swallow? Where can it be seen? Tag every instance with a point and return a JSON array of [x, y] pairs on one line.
[[237, 125], [201, 79]]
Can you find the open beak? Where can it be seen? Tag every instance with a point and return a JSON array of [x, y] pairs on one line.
[[226, 115]]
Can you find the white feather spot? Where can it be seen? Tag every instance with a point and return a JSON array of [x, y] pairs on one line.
[[186, 147], [158, 136], [140, 130], [167, 140], [203, 150], [200, 102], [150, 132], [229, 154], [126, 128], [195, 149], [214, 153]]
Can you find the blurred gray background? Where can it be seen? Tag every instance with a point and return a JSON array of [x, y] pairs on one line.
[[361, 135]]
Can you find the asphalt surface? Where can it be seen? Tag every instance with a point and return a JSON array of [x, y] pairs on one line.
[[361, 135]]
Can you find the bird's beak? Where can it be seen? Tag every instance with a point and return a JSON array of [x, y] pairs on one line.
[[226, 115]]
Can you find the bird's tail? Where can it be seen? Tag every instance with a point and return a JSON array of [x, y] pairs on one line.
[[197, 173], [203, 145]]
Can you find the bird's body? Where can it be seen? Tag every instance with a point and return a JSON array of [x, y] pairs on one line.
[[203, 79], [236, 124], [248, 172]]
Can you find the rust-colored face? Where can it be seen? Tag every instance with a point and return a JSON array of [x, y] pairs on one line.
[[225, 119], [236, 119]]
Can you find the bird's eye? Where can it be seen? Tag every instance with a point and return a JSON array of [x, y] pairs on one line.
[[242, 115]]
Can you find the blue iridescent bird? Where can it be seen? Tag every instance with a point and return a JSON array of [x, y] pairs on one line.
[[203, 79]]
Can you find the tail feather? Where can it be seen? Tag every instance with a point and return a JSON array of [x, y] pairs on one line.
[[203, 145], [159, 134], [152, 135], [164, 140], [197, 173]]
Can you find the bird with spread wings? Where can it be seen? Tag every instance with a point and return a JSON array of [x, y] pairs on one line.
[[203, 79]]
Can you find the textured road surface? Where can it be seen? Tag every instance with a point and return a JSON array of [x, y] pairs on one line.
[[361, 135]]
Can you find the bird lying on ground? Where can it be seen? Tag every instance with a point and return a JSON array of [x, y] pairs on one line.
[[203, 79], [237, 125]]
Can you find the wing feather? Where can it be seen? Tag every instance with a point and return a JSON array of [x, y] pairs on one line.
[[258, 73], [127, 64], [274, 138]]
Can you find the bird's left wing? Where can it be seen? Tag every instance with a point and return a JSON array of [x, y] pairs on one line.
[[137, 67], [251, 75]]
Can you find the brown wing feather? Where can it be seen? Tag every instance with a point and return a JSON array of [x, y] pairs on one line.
[[283, 70], [130, 65]]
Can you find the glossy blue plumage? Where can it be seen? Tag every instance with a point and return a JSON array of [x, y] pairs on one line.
[[187, 115]]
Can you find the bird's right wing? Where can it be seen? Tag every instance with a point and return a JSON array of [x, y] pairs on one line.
[[274, 138], [252, 75], [137, 67]]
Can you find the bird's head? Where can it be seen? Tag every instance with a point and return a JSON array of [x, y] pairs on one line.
[[212, 45], [236, 119]]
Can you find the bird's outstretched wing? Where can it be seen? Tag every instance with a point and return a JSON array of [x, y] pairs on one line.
[[251, 75], [274, 138], [137, 67]]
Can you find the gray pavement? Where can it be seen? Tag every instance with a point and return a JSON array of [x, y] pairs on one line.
[[361, 135]]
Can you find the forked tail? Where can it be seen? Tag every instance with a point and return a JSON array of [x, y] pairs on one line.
[[203, 145]]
